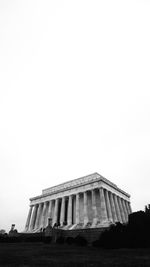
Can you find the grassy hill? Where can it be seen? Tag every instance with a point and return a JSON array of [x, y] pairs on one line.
[[54, 255]]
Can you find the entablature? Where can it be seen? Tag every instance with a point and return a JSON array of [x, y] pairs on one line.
[[80, 189]]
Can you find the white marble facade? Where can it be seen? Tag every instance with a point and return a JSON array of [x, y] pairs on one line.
[[88, 202]]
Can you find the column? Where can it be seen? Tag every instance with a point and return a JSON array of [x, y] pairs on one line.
[[117, 209], [49, 213], [44, 215], [103, 211], [95, 214], [128, 207], [62, 212], [69, 215], [77, 208], [125, 210], [113, 209], [33, 217], [39, 213], [55, 212], [85, 196], [121, 210], [110, 217], [28, 219]]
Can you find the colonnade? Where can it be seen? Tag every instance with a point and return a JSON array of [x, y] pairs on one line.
[[90, 208]]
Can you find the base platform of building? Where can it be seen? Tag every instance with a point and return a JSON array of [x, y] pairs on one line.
[[90, 234]]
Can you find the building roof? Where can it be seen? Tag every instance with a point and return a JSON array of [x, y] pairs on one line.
[[91, 178]]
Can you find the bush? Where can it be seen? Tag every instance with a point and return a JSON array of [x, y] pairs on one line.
[[135, 234]]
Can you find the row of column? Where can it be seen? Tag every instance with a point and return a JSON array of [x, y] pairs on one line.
[[105, 208]]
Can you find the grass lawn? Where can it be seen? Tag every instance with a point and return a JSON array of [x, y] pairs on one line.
[[39, 254]]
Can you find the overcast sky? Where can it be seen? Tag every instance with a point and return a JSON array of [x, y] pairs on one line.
[[74, 98]]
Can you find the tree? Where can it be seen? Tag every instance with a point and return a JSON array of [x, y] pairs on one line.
[[2, 232]]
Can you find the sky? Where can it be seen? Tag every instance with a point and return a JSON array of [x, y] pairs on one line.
[[74, 98]]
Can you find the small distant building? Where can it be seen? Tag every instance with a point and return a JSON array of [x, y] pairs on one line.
[[87, 202]]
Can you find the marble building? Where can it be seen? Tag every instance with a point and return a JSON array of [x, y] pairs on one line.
[[87, 202]]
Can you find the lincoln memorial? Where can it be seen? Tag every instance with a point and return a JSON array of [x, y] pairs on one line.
[[91, 201]]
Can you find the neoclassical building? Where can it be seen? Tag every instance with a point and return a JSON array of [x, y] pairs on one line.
[[87, 202]]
